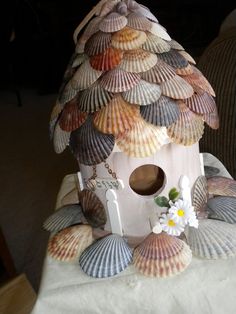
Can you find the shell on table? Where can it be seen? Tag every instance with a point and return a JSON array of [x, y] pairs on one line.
[[89, 145], [201, 103], [200, 197], [160, 31], [163, 112], [117, 117], [174, 59], [138, 21], [94, 98], [107, 60], [212, 119], [113, 22], [69, 243], [138, 61], [60, 139], [117, 80], [160, 73], [188, 129], [93, 208], [214, 239], [143, 140], [143, 93], [223, 208], [176, 88], [64, 217], [128, 39], [97, 43], [155, 44], [106, 257], [162, 255], [223, 186]]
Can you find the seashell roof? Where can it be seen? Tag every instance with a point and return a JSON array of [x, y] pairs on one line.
[[126, 59]]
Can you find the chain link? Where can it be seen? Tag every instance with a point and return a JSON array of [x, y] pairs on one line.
[[112, 173]]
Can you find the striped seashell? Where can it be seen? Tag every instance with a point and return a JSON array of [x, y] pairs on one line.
[[117, 117], [200, 197], [143, 93], [160, 73], [89, 145], [222, 208], [175, 45], [162, 255], [213, 239], [159, 31], [184, 71], [138, 21], [94, 98], [188, 129], [212, 119], [79, 59], [121, 8], [68, 244], [128, 39], [174, 59], [201, 103], [85, 76], [107, 60], [137, 61], [67, 94], [117, 80], [71, 118], [155, 44], [176, 88], [143, 140], [60, 139], [64, 217], [106, 257], [163, 112], [145, 12], [90, 29], [93, 208], [113, 22], [97, 43], [187, 56], [223, 186]]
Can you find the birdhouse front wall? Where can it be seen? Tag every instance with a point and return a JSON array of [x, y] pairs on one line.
[[135, 210]]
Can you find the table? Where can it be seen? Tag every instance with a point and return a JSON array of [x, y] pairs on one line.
[[205, 287]]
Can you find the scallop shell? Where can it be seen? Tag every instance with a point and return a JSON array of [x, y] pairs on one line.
[[200, 196], [162, 255], [79, 59], [174, 59], [143, 93], [175, 45], [187, 56], [213, 239], [93, 208], [221, 186], [106, 257], [71, 118], [64, 217], [67, 93], [128, 39], [160, 31], [113, 22], [138, 21], [85, 76], [68, 244], [117, 80], [145, 12], [201, 103], [56, 110], [117, 117], [138, 61], [176, 88], [107, 60], [91, 146], [212, 119], [223, 208], [97, 43], [160, 73], [188, 129], [155, 44], [94, 98], [60, 139], [142, 140], [184, 71], [163, 112]]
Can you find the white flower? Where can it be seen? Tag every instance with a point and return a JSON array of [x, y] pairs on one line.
[[182, 212], [193, 221], [170, 226]]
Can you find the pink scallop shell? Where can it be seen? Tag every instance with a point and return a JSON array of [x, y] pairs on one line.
[[160, 73], [113, 22], [176, 88], [97, 43], [138, 21], [138, 61]]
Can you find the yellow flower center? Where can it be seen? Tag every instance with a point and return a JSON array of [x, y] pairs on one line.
[[181, 212], [171, 223]]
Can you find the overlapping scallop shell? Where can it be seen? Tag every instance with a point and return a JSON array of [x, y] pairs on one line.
[[188, 129], [200, 197], [128, 39], [64, 217], [138, 21], [187, 56], [56, 110], [79, 59], [138, 61], [223, 208], [213, 239], [60, 139], [163, 112], [145, 12], [162, 255], [117, 80], [160, 31], [89, 145], [174, 59], [160, 73], [107, 60], [117, 117], [93, 208], [184, 71], [67, 93], [106, 257], [113, 22], [223, 186], [143, 93], [212, 119], [201, 103], [142, 140], [97, 43], [68, 244], [176, 88], [175, 45], [155, 44]]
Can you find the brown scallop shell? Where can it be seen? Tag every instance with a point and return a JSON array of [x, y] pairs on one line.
[[128, 39], [201, 103], [221, 186], [97, 43], [184, 71], [159, 31], [138, 61], [155, 44], [60, 139], [160, 73], [176, 88], [212, 119], [200, 197], [138, 21], [174, 59], [107, 60], [113, 22]]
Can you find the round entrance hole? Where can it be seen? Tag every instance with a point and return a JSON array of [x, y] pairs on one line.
[[147, 180]]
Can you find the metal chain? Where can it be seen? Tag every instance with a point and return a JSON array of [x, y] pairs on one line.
[[112, 173]]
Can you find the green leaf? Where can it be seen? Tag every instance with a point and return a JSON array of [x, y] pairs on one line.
[[161, 201], [173, 194]]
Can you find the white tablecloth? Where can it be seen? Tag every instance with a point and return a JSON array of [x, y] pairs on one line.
[[205, 287]]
